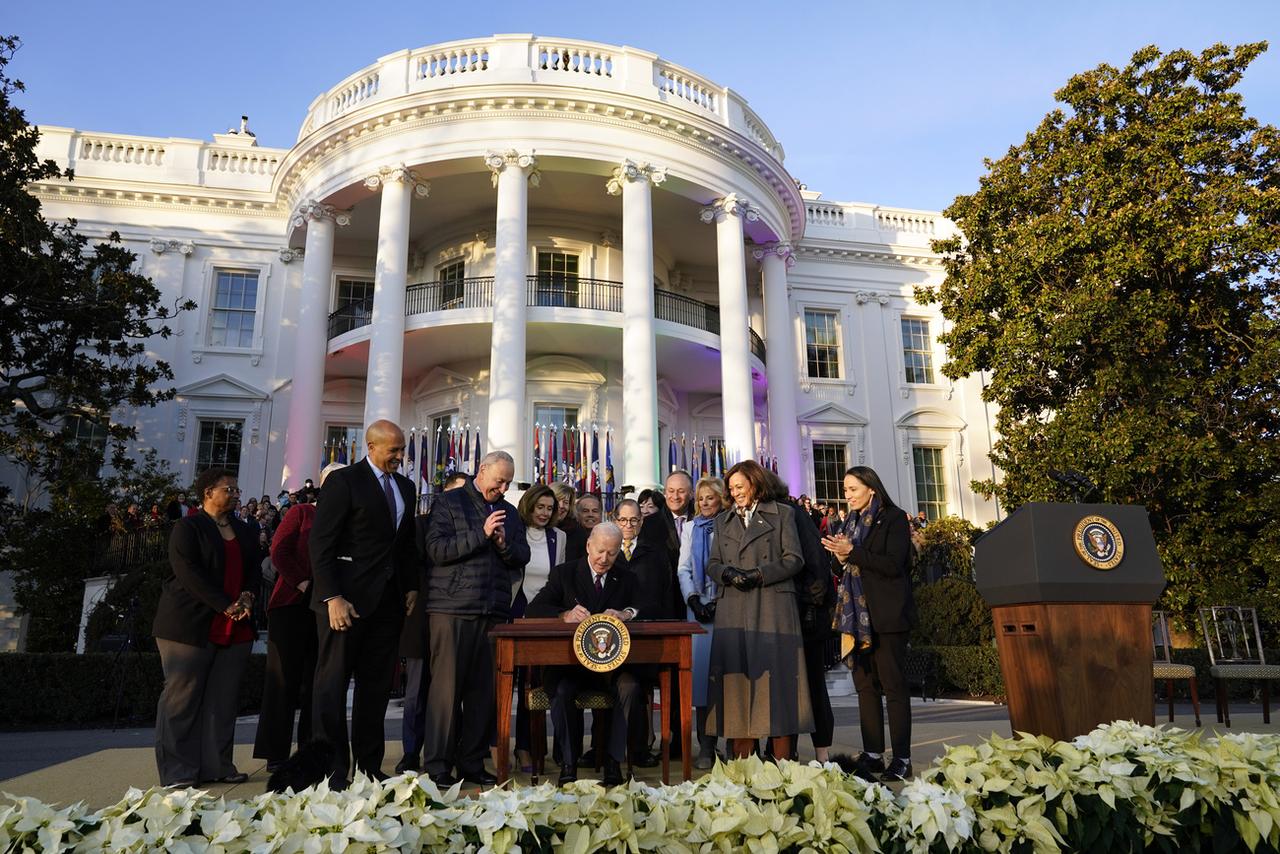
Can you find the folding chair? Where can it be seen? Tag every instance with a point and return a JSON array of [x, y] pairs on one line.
[[1235, 652]]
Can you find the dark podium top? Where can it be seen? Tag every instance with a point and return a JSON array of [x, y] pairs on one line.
[[1031, 557]]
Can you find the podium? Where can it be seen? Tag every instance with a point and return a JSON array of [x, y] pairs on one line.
[[1071, 588]]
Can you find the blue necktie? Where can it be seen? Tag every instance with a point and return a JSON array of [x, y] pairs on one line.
[[391, 496]]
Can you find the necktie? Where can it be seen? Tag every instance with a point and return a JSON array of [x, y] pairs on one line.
[[599, 584], [626, 550], [391, 496], [679, 526]]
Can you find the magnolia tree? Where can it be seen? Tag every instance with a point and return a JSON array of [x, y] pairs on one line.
[[1116, 283]]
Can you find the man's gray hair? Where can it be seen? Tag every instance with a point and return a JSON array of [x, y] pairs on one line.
[[605, 529], [496, 457]]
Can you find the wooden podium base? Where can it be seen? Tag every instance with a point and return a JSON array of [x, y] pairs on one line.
[[1071, 666]]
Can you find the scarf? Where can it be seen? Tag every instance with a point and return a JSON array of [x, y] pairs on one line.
[[745, 513], [852, 618], [703, 526]]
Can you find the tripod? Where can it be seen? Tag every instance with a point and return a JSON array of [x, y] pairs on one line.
[[126, 663]]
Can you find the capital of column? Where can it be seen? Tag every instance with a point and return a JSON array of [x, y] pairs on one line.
[[497, 161], [313, 210], [782, 250], [182, 247], [288, 254], [401, 173], [632, 171], [730, 205]]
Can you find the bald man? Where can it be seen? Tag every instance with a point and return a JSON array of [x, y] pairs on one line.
[[365, 579]]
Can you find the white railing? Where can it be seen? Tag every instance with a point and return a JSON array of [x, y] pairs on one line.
[[680, 83], [573, 58], [432, 63], [354, 93], [524, 60], [907, 222], [134, 152], [242, 162], [822, 214]]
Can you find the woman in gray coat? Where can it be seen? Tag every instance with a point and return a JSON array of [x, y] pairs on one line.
[[757, 686]]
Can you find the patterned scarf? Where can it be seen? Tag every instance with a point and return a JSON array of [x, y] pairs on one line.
[[745, 513], [702, 528], [852, 619]]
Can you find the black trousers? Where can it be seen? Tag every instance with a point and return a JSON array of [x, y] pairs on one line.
[[291, 670], [417, 678], [366, 651], [196, 714], [564, 683], [824, 720], [460, 713], [878, 675]]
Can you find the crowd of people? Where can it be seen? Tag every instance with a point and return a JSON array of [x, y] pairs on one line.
[[363, 582]]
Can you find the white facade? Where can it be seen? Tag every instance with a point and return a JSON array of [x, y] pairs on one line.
[[686, 261]]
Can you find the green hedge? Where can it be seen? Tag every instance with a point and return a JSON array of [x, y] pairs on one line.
[[973, 670], [63, 689]]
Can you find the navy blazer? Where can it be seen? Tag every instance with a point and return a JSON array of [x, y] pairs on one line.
[[356, 549], [192, 592]]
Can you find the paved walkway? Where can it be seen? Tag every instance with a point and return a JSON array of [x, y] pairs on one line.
[[97, 766]]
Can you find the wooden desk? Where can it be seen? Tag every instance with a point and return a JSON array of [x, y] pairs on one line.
[[550, 642]]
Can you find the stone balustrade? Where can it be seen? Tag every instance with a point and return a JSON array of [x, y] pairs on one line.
[[525, 59], [874, 224]]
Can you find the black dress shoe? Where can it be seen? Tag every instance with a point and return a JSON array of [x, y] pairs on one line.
[[379, 775], [898, 770], [274, 765], [868, 768], [234, 778], [568, 774], [408, 763], [646, 759], [480, 778], [444, 780], [588, 759], [612, 772]]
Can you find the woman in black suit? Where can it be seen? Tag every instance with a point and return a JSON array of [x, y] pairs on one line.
[[204, 633], [874, 612]]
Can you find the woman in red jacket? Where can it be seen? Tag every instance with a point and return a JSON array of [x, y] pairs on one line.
[[291, 638]]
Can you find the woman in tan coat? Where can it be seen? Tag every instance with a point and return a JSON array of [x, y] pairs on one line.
[[756, 686]]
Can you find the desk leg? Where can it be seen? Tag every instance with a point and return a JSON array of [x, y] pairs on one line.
[[664, 722], [506, 654], [686, 719]]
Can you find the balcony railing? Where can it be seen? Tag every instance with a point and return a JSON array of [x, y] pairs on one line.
[[542, 291]]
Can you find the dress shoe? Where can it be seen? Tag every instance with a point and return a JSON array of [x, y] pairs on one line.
[[444, 780], [646, 759], [379, 775], [706, 759], [407, 764], [480, 778], [587, 759], [274, 765], [568, 774], [898, 770], [612, 772], [234, 778]]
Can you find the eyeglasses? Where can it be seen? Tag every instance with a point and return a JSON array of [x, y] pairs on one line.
[[628, 520]]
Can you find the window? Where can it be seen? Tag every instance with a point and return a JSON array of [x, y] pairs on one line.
[[822, 343], [931, 484], [353, 305], [829, 466], [450, 277], [917, 350], [235, 302], [90, 437], [219, 445], [341, 445], [557, 279], [551, 415]]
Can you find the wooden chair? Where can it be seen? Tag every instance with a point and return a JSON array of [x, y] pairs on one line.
[[539, 704], [1235, 652], [1165, 667]]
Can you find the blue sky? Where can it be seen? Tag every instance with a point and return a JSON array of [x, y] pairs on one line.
[[871, 103]]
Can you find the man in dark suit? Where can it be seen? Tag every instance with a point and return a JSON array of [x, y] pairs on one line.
[[365, 579], [587, 514], [478, 549], [575, 591]]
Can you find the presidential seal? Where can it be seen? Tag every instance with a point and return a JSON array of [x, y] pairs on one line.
[[1098, 542], [601, 643]]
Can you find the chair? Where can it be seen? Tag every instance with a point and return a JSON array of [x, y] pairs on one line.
[[539, 704], [1165, 668], [1235, 652]]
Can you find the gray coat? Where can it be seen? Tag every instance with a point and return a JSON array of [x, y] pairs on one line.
[[757, 685]]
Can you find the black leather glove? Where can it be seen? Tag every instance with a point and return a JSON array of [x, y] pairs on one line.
[[750, 580], [709, 609], [695, 605], [732, 576]]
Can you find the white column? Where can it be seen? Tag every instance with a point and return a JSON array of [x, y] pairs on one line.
[[386, 329], [512, 174], [780, 367], [304, 433], [735, 343], [639, 349]]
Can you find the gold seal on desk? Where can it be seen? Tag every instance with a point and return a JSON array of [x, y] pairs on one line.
[[1098, 542], [601, 643]]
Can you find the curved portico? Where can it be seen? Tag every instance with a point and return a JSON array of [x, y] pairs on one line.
[[533, 146]]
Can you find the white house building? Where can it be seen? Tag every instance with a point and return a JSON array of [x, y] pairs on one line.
[[517, 230]]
